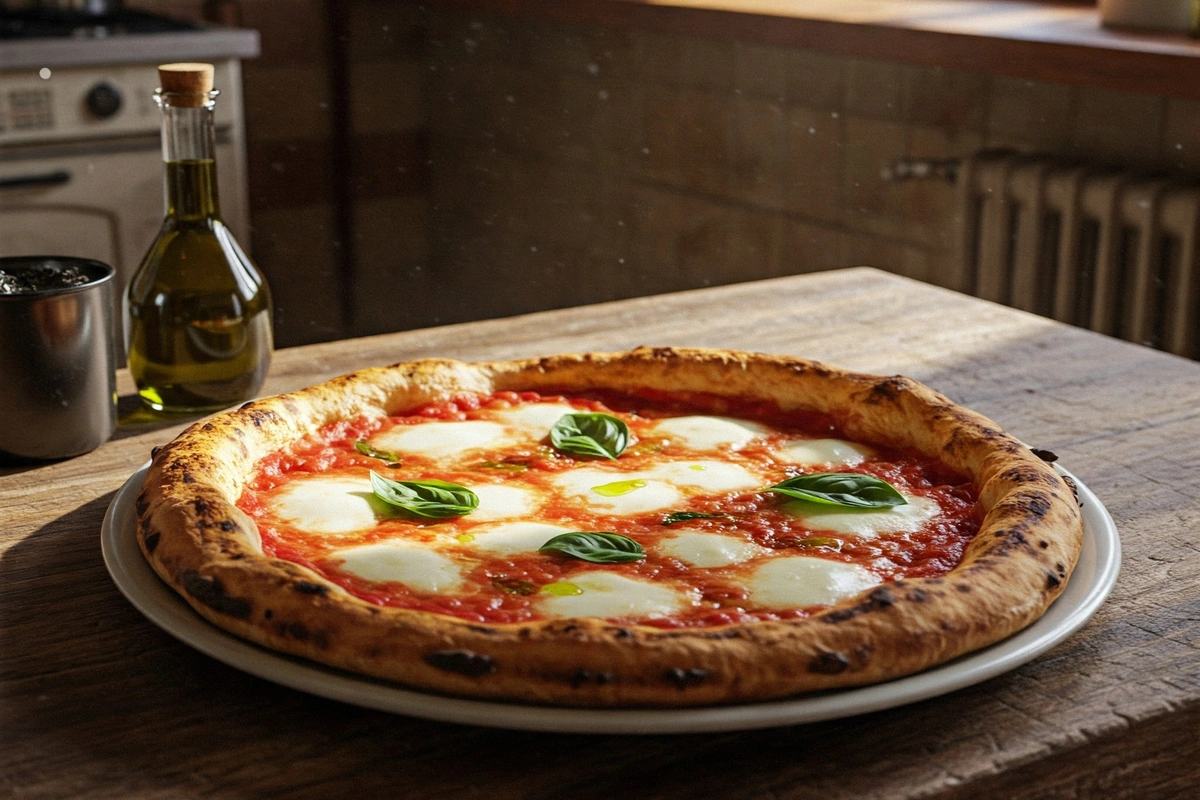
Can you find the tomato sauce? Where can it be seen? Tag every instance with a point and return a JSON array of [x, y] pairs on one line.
[[505, 588]]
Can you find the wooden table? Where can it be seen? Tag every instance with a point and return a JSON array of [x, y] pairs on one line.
[[97, 702]]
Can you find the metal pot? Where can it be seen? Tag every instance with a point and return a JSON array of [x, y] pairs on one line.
[[58, 392]]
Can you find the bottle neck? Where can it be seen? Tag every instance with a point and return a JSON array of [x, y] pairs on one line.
[[189, 142]]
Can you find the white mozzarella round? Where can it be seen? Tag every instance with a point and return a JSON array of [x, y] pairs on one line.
[[707, 550], [866, 522], [440, 440], [707, 433], [824, 453], [328, 505], [580, 485], [514, 537], [533, 419], [607, 595], [414, 564], [500, 501], [799, 581], [712, 476]]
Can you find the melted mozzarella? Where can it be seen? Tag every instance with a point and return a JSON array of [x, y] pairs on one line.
[[824, 453], [709, 433], [799, 581], [414, 564], [440, 440], [578, 484], [865, 522], [665, 485], [706, 550], [328, 505], [606, 594], [499, 501], [534, 419], [713, 476], [514, 537]]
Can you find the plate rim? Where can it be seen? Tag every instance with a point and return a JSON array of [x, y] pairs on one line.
[[140, 585]]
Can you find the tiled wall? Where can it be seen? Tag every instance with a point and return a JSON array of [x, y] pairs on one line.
[[499, 165]]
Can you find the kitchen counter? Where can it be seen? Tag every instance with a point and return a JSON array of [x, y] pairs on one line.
[[132, 48], [96, 702]]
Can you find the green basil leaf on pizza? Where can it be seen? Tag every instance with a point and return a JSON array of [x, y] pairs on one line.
[[590, 434], [845, 489], [430, 498], [598, 548]]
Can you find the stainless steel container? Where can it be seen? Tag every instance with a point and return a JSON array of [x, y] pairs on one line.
[[58, 391]]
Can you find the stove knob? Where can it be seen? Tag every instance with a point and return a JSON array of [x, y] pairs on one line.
[[103, 100]]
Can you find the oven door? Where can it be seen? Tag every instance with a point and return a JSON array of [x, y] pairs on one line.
[[101, 200]]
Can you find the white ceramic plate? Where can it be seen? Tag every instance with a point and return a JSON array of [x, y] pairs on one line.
[[1094, 577]]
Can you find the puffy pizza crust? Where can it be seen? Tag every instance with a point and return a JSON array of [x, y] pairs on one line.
[[202, 545]]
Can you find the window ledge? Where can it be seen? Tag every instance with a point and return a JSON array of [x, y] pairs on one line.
[[1059, 42]]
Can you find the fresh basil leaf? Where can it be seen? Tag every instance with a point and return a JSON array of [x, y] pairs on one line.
[[846, 489], [432, 499], [367, 449], [600, 435], [598, 548], [683, 516]]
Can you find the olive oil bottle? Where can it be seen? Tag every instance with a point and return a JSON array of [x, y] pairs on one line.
[[197, 311]]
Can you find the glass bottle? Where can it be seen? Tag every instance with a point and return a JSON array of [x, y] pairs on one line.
[[197, 311]]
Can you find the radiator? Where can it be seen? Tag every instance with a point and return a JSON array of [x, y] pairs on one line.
[[1111, 250]]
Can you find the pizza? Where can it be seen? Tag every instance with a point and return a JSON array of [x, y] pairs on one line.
[[658, 527]]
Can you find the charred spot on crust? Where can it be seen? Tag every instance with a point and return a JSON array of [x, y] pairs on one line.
[[1052, 581], [683, 678], [308, 587], [247, 404], [1074, 489], [828, 662], [622, 633], [151, 541], [229, 526], [1045, 455], [918, 595], [583, 676], [877, 600], [268, 614], [962, 587], [887, 389], [1043, 544], [209, 591], [201, 506], [463, 662], [208, 426], [154, 451], [1062, 570], [142, 505]]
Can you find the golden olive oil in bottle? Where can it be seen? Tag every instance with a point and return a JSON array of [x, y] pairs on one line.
[[197, 310]]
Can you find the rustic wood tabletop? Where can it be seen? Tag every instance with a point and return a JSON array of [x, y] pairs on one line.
[[97, 702]]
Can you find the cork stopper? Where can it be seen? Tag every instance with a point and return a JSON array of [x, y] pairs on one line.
[[191, 82]]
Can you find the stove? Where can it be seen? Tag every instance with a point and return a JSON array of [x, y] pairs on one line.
[[42, 23], [80, 155]]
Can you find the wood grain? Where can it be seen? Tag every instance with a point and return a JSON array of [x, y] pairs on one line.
[[1061, 42], [95, 702]]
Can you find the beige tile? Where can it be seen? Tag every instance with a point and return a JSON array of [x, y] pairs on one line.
[[294, 248], [947, 98], [1180, 147], [812, 177], [286, 102], [877, 88], [386, 96], [760, 70], [814, 79], [1030, 115]]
